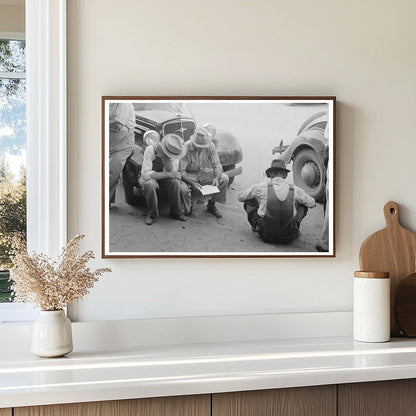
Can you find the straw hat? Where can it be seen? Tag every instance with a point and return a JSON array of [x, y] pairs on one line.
[[211, 129], [201, 137]]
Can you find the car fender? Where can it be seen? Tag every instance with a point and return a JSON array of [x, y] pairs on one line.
[[316, 121], [228, 148], [312, 139]]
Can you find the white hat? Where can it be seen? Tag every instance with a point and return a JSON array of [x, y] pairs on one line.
[[151, 137], [211, 129], [201, 137]]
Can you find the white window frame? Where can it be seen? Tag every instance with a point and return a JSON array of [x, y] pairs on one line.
[[14, 312], [46, 134]]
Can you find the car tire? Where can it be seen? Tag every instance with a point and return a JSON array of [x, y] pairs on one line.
[[225, 169], [309, 174]]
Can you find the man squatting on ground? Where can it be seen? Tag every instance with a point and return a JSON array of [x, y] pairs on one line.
[[201, 166], [276, 208], [160, 171], [122, 122]]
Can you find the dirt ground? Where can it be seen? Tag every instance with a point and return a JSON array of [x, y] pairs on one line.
[[256, 130]]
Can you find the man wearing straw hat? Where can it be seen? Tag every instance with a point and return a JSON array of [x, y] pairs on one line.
[[201, 166], [276, 208], [160, 172]]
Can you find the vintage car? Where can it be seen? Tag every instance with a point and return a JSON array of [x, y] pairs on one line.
[[172, 118], [308, 152]]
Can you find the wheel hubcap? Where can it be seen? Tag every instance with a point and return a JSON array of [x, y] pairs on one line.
[[310, 174]]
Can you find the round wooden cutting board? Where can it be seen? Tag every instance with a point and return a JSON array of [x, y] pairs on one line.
[[393, 250], [405, 306]]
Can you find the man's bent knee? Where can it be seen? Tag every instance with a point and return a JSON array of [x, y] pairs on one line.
[[150, 186], [176, 183]]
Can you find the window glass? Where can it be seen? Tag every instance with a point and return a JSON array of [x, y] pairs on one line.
[[12, 56], [12, 156]]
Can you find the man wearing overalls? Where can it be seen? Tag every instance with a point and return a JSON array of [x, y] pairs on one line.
[[276, 208]]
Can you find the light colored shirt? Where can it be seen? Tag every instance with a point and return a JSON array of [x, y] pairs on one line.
[[147, 167], [281, 187], [199, 160], [123, 113]]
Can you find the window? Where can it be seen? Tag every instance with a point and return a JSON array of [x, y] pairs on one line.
[[12, 155], [12, 165], [46, 134]]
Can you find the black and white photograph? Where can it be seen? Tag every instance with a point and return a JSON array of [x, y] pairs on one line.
[[218, 176]]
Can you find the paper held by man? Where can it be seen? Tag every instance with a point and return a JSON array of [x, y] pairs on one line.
[[208, 189]]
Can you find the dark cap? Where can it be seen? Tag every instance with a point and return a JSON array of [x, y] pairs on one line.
[[277, 165]]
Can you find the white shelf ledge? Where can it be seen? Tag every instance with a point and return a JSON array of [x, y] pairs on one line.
[[152, 371]]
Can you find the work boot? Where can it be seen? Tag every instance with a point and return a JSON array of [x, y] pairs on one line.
[[179, 217], [255, 228], [191, 212], [297, 226], [149, 220], [213, 209]]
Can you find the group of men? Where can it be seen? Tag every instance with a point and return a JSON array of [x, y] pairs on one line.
[[179, 168], [274, 207]]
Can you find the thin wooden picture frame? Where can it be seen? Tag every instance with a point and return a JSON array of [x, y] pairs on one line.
[[246, 134]]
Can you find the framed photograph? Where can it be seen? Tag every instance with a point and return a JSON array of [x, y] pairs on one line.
[[218, 176]]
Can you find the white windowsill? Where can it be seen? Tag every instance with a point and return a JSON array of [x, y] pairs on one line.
[[12, 35], [16, 313]]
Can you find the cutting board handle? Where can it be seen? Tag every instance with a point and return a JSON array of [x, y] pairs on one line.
[[391, 214]]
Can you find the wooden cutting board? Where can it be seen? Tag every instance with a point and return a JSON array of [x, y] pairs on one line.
[[393, 250]]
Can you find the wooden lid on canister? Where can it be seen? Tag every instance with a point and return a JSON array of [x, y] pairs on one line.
[[372, 275]]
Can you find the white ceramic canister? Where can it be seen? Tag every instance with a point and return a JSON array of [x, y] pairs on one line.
[[371, 310]]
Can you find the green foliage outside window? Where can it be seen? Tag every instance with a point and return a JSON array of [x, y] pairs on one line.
[[12, 223], [12, 146]]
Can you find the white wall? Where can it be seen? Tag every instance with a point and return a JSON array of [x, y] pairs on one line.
[[12, 17], [361, 51]]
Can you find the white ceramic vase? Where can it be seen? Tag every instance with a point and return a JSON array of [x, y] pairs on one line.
[[52, 334]]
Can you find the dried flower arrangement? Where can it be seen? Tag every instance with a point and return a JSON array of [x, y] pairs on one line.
[[53, 285]]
